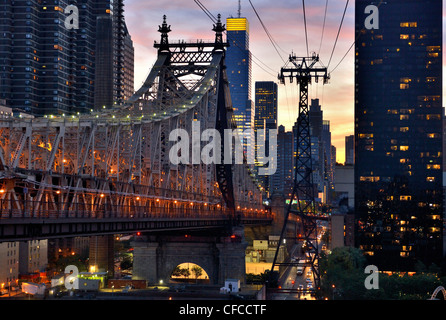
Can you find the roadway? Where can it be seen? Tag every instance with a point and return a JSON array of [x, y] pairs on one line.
[[295, 286]]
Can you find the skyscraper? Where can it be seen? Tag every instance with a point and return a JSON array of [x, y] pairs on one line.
[[283, 180], [115, 57], [321, 151], [350, 150], [49, 68], [238, 63], [398, 132], [265, 119]]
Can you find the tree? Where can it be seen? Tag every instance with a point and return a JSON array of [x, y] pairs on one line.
[[343, 277], [176, 272], [197, 271], [185, 272], [126, 263], [343, 273]]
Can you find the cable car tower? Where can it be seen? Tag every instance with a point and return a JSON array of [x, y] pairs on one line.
[[302, 200]]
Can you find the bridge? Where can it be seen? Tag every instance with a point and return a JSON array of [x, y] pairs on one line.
[[110, 171]]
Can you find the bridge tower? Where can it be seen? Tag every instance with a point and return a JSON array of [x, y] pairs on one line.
[[302, 200]]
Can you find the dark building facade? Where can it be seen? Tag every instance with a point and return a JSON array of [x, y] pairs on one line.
[[47, 67], [398, 132]]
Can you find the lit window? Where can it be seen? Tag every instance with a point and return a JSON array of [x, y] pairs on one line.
[[404, 36], [433, 48], [404, 86], [433, 117], [430, 179], [405, 198], [404, 148]]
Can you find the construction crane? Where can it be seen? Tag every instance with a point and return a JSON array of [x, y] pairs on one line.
[[303, 70]]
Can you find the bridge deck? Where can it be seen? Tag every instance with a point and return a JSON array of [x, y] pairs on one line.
[[22, 229]]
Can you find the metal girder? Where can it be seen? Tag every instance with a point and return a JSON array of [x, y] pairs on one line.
[[303, 70], [120, 157]]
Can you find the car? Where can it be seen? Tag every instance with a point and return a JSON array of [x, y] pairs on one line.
[[300, 287], [310, 285], [308, 280], [309, 273]]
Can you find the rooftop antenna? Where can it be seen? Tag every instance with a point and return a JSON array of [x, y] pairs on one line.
[[239, 8]]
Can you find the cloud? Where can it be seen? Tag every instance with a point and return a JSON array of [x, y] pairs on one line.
[[284, 21]]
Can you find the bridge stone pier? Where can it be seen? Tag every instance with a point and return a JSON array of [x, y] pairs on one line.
[[220, 256]]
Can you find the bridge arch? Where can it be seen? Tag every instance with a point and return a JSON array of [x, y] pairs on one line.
[[178, 273], [437, 290]]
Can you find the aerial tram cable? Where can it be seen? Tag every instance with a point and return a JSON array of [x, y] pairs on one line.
[[237, 43], [339, 30], [323, 26], [273, 42]]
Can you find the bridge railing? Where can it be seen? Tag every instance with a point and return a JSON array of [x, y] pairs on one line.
[[47, 210]]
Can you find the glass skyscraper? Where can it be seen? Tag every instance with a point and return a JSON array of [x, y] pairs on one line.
[[266, 103], [238, 63], [47, 68], [398, 132]]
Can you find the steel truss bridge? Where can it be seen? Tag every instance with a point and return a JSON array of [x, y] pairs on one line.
[[109, 171]]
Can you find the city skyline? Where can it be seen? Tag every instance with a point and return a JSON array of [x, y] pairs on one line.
[[336, 98]]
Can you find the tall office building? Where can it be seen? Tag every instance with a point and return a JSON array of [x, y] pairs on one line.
[[266, 103], [321, 151], [265, 119], [238, 63], [398, 132], [47, 67], [282, 181], [114, 58], [350, 150]]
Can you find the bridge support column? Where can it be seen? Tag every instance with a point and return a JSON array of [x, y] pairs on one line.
[[145, 256], [221, 258], [232, 261]]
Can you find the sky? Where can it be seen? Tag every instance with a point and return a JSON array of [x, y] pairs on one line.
[[284, 21]]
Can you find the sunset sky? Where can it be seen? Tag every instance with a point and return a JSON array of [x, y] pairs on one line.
[[284, 21]]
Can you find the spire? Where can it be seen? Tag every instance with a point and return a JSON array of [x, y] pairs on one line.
[[219, 28], [164, 30], [239, 12]]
